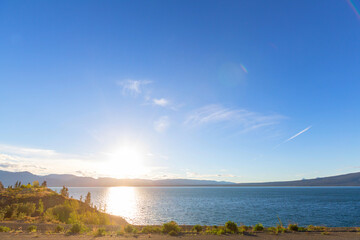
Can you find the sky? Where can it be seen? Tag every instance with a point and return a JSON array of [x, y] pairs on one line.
[[241, 91]]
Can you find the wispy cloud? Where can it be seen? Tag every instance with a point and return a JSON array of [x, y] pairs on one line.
[[162, 124], [38, 161], [296, 135], [247, 120], [161, 102], [132, 87]]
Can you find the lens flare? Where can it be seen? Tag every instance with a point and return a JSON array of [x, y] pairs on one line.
[[354, 8]]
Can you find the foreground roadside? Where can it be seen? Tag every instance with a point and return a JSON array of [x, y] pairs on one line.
[[265, 236]]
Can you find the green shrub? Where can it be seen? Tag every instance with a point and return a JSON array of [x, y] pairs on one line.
[[258, 227], [302, 229], [129, 229], [243, 228], [120, 233], [40, 209], [197, 228], [32, 228], [150, 229], [77, 228], [171, 226], [231, 227], [280, 229], [4, 229], [61, 213], [59, 229], [173, 233], [27, 208], [293, 227], [272, 230], [100, 232], [220, 231]]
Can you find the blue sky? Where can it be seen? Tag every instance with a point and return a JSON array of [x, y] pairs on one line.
[[228, 90]]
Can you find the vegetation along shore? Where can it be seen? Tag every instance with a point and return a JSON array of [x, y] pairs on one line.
[[33, 210]]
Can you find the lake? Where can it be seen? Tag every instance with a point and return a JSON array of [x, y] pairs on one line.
[[328, 206]]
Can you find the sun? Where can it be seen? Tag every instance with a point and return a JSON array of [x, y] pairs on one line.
[[125, 161]]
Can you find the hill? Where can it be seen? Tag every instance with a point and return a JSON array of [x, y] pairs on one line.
[[351, 179], [39, 204], [59, 180]]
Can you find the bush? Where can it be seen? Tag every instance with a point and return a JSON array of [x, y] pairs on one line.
[[150, 229], [272, 230], [197, 228], [77, 228], [59, 229], [120, 233], [243, 228], [32, 228], [100, 232], [231, 226], [258, 227], [36, 184], [27, 208], [61, 212], [171, 227], [302, 229], [4, 229], [129, 229], [293, 227], [173, 233]]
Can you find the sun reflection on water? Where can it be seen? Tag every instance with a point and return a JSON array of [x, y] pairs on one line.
[[122, 201]]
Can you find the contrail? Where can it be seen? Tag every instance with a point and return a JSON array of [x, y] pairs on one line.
[[301, 132], [291, 138]]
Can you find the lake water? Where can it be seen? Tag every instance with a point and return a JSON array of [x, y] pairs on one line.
[[328, 206]]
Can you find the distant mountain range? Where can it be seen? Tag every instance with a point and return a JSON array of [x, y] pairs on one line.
[[59, 180]]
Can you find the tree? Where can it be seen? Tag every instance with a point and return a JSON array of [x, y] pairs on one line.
[[1, 186], [64, 191], [36, 184], [40, 209], [44, 184], [88, 199]]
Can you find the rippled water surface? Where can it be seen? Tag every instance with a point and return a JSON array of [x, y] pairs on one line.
[[333, 206]]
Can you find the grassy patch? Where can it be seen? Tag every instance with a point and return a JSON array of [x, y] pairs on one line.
[[59, 229], [77, 228], [32, 228], [100, 232], [150, 229], [197, 228], [4, 229]]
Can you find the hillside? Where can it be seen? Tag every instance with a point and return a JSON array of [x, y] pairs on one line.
[[39, 204]]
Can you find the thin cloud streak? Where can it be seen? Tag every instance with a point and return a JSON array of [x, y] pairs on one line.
[[247, 120], [296, 135]]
